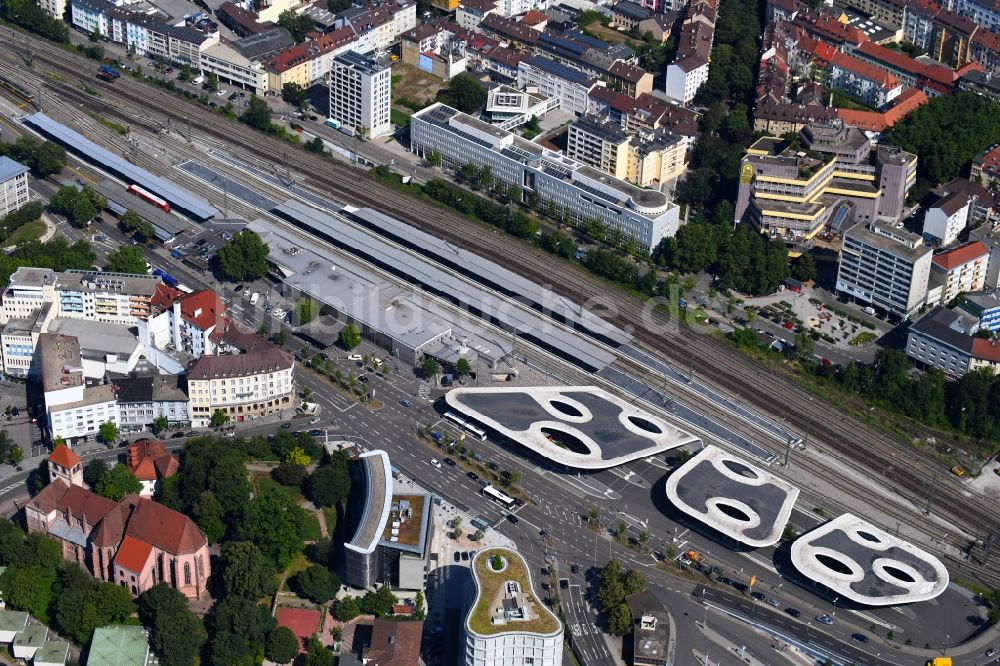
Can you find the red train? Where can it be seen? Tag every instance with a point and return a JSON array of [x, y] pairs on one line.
[[149, 197]]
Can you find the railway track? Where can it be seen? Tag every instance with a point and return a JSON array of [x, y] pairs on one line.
[[722, 366]]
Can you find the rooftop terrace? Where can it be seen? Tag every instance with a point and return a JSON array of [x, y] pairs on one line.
[[491, 590]]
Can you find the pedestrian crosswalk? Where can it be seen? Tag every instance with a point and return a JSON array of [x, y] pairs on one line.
[[424, 391]]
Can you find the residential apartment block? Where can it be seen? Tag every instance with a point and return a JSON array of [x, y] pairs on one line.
[[635, 215], [183, 322], [360, 93], [143, 399], [946, 339], [75, 407], [946, 218], [689, 71], [958, 271], [833, 177], [13, 185], [985, 167], [243, 387], [885, 267], [984, 307], [135, 543], [644, 159]]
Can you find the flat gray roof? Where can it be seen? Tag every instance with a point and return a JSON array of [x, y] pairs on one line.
[[861, 562], [96, 337], [713, 483], [359, 293], [86, 149], [378, 502], [582, 427], [490, 274], [165, 225], [429, 277], [9, 168]]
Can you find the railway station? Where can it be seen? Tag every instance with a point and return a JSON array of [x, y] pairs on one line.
[[856, 560], [86, 150], [490, 274], [165, 226], [520, 322], [736, 499], [397, 319], [578, 427]]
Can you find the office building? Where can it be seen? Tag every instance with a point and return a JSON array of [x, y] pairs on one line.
[[831, 176], [637, 216], [392, 531], [645, 158], [13, 185], [506, 622], [984, 307], [650, 629], [552, 79], [958, 271], [946, 339], [884, 267], [75, 407], [360, 94], [243, 386], [946, 218]]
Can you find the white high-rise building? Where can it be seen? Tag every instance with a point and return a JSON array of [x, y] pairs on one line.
[[506, 623], [13, 185], [360, 93]]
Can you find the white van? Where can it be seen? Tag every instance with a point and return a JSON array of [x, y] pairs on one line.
[[198, 80], [868, 310], [254, 298]]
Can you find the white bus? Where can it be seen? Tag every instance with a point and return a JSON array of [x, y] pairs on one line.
[[500, 498], [476, 431]]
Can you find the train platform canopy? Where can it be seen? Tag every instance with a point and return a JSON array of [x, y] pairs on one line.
[[165, 225], [491, 274], [856, 560], [182, 200], [429, 276], [581, 427], [740, 501], [399, 318]]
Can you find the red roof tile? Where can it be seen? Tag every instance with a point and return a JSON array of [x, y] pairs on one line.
[[533, 17], [202, 308], [903, 62], [165, 528], [145, 470], [962, 254], [253, 362], [873, 121], [394, 643], [883, 78], [986, 350], [64, 456], [133, 554]]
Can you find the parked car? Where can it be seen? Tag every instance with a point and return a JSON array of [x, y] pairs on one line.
[[177, 435], [458, 556], [465, 556], [355, 357], [286, 426]]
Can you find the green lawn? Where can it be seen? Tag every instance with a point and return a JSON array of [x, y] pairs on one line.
[[26, 232], [300, 563], [399, 118], [312, 531], [266, 485], [330, 513]]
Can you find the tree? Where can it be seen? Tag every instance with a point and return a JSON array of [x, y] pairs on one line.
[[118, 482], [28, 588], [244, 257], [176, 634], [212, 81], [48, 159], [315, 145], [282, 645], [239, 628], [434, 158], [620, 620], [208, 513], [160, 425], [466, 94], [317, 583], [350, 337], [804, 268], [16, 455], [297, 24], [108, 432], [93, 471], [219, 418], [328, 484], [593, 515], [633, 582], [347, 609], [429, 367], [275, 523], [245, 571], [289, 474], [83, 605], [186, 73], [378, 603], [131, 222], [257, 114], [805, 346], [127, 259], [337, 6], [83, 212], [307, 309], [297, 456], [294, 94], [318, 655]]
